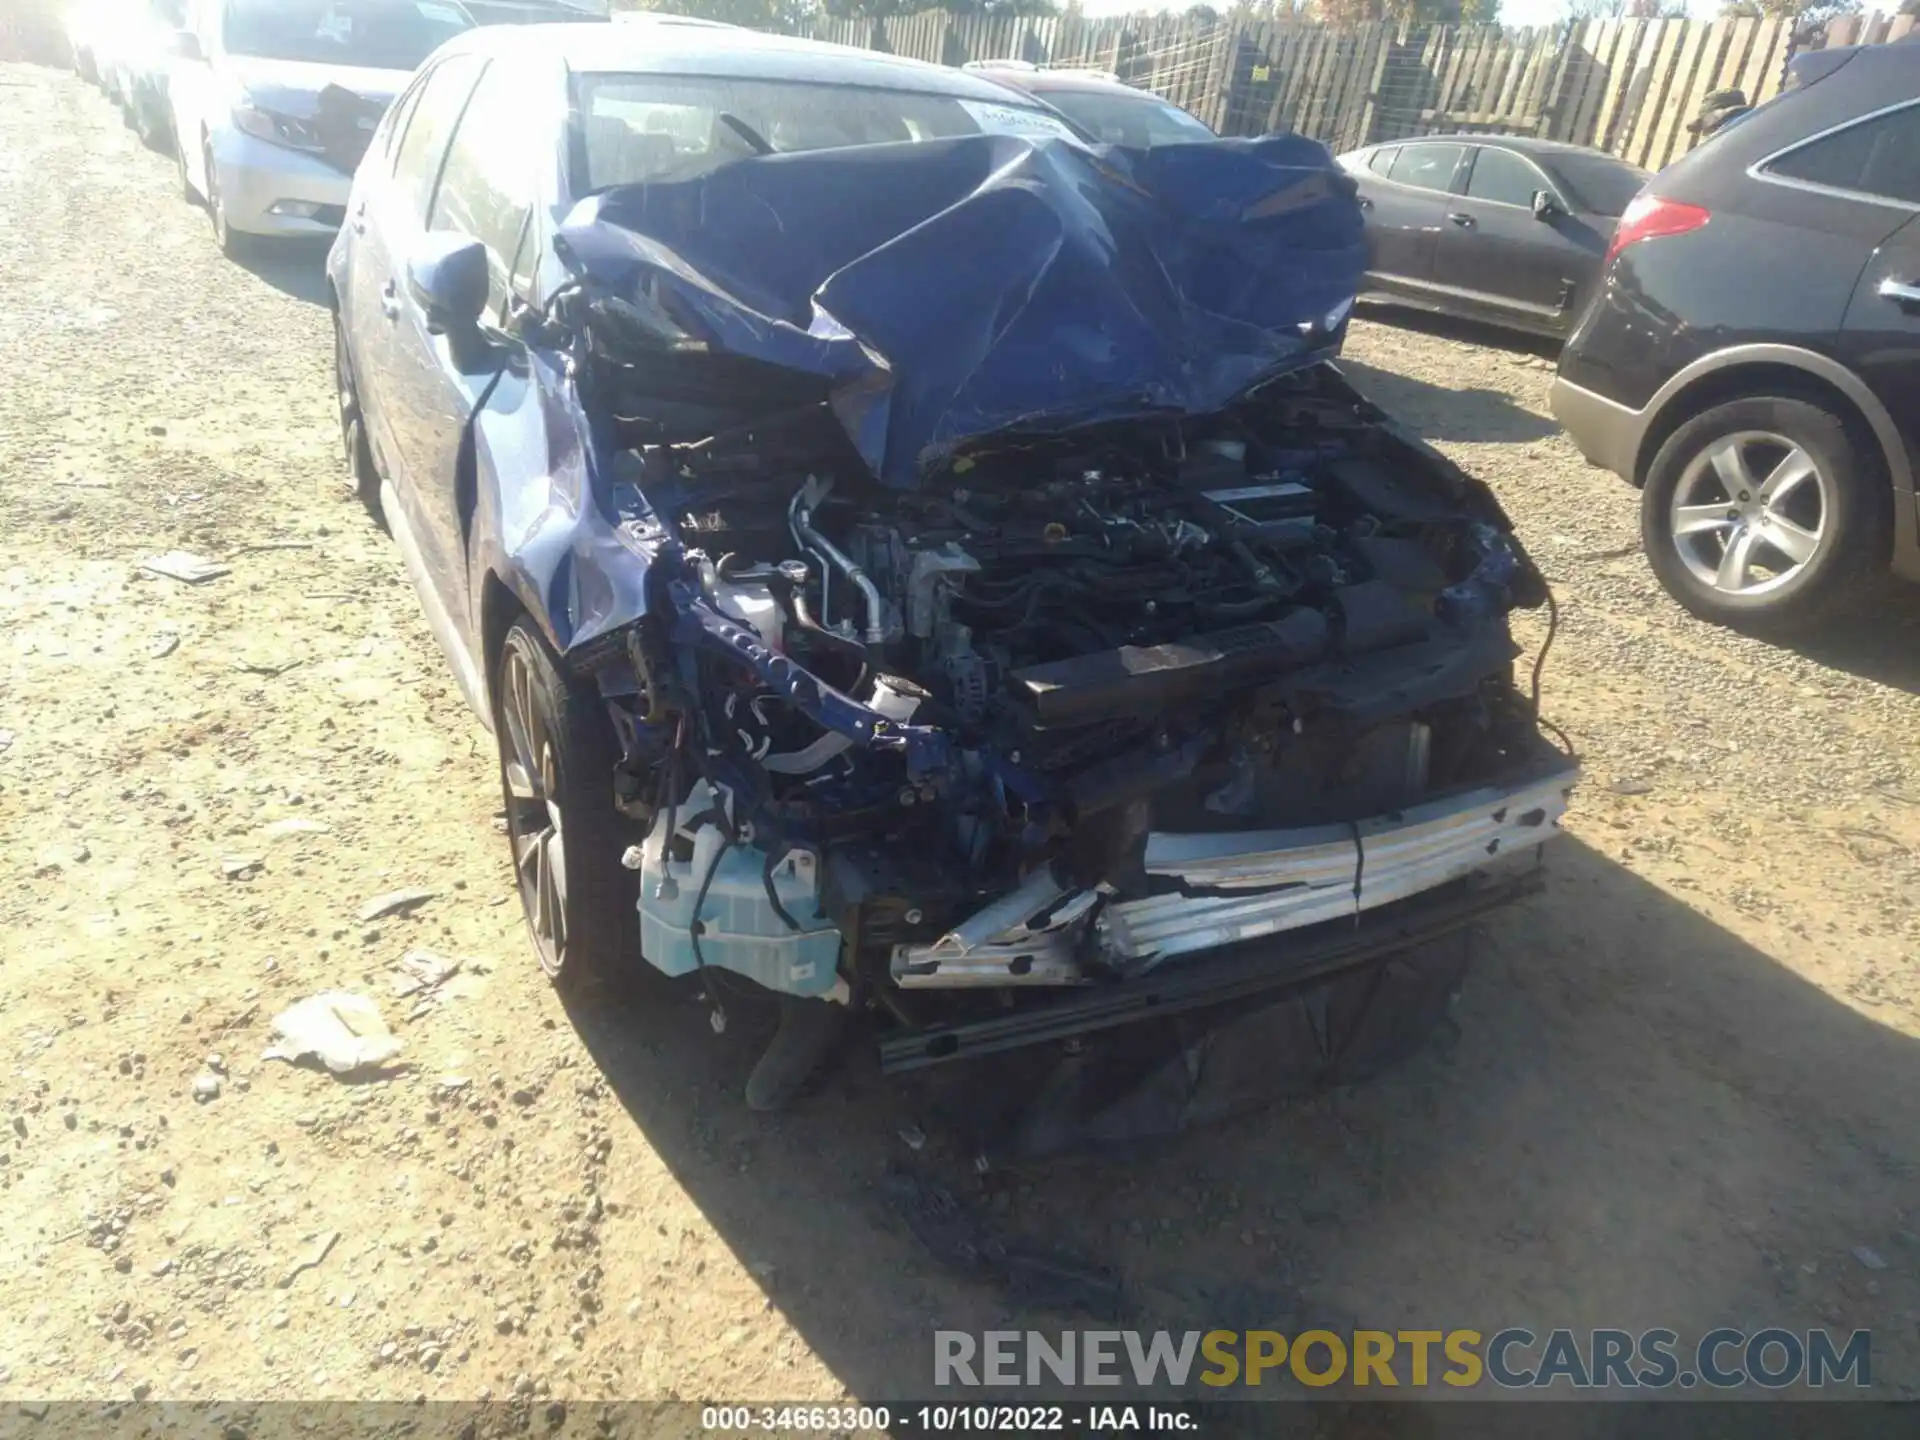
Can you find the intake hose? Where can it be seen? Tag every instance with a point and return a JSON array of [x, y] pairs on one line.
[[787, 581], [800, 518]]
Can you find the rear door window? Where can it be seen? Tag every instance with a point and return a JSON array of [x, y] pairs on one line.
[[1426, 167], [393, 124], [416, 166], [1878, 156]]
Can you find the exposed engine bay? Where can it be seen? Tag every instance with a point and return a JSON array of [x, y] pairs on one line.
[[1082, 705], [1013, 628]]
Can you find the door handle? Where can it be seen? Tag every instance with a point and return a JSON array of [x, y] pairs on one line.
[[1465, 222], [1901, 295], [1365, 204], [390, 301]]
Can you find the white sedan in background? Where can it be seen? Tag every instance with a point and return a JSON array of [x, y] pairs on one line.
[[274, 100]]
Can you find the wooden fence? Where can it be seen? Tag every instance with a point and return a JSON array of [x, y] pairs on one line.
[[1625, 86], [1628, 87]]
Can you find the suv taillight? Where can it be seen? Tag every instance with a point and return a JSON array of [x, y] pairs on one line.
[[1648, 216]]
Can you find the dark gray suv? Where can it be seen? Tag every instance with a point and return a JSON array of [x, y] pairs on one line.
[[1751, 357]]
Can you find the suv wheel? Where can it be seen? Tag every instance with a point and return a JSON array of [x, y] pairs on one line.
[[557, 756], [1766, 515]]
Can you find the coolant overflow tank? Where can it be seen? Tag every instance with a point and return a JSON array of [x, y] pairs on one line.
[[740, 930]]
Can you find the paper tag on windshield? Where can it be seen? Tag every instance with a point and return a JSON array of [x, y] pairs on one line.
[[1012, 120]]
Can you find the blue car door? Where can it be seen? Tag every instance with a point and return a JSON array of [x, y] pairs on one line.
[[391, 348], [484, 193]]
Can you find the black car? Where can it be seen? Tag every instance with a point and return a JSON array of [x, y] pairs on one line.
[[1752, 358], [1491, 228]]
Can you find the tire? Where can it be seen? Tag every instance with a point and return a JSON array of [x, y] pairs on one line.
[[1768, 515], [557, 753], [353, 430], [154, 123], [234, 244]]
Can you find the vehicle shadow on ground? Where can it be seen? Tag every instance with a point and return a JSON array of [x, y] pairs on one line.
[[1882, 646], [1442, 413], [296, 268], [1632, 1092]]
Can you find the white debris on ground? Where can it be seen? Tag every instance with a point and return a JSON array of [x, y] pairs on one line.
[[343, 1031]]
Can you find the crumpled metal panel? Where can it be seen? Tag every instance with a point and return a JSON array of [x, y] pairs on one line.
[[952, 289]]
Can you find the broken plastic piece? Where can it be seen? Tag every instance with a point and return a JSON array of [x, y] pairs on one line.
[[421, 970], [341, 1030], [187, 568]]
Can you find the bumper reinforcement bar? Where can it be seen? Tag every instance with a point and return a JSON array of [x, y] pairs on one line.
[[1273, 964]]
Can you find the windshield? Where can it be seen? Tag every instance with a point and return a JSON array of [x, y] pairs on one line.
[[637, 128], [377, 34], [1138, 122], [1596, 185]]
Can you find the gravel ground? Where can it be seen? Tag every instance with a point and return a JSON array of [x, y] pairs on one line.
[[1685, 1088]]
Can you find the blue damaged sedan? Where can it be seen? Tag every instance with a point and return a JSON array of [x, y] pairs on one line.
[[923, 575]]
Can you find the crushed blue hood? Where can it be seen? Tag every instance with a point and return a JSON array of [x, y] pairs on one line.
[[957, 288]]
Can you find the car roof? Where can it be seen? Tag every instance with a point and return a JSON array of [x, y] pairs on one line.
[[1039, 82], [1524, 144], [675, 45]]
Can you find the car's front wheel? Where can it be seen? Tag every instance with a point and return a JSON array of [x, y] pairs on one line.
[[233, 243], [557, 756], [1766, 514]]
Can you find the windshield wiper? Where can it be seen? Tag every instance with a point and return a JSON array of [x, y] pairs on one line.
[[753, 139]]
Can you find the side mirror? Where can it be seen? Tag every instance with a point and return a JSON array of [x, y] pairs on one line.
[[1545, 207], [185, 45], [448, 278]]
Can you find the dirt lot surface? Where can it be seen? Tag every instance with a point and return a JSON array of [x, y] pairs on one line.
[[1684, 1091]]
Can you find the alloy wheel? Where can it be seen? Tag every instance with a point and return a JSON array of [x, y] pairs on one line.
[[1749, 513], [216, 207], [535, 827]]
